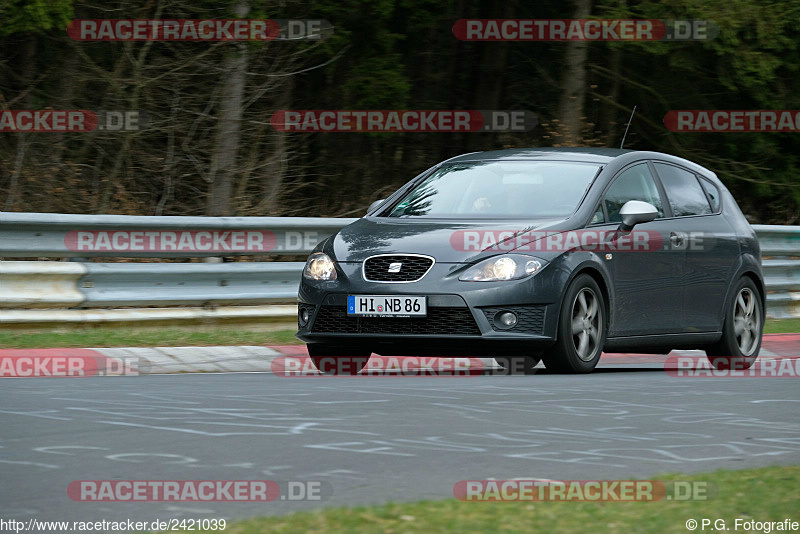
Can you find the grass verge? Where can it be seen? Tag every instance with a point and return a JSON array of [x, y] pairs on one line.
[[782, 326], [149, 337], [105, 336], [768, 494]]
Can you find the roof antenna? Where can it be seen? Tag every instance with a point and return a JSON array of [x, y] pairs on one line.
[[626, 128]]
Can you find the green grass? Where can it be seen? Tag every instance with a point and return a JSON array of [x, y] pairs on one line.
[[782, 326], [124, 336], [769, 494], [149, 337]]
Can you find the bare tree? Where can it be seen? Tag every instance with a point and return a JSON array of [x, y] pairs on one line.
[[229, 125], [573, 83]]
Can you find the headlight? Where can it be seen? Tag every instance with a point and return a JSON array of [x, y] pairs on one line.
[[505, 267], [319, 267]]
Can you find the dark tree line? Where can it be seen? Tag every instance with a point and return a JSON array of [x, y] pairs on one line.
[[209, 147]]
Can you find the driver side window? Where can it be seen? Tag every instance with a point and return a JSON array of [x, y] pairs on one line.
[[634, 183]]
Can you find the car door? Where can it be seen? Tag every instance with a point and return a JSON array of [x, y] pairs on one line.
[[709, 242], [647, 283]]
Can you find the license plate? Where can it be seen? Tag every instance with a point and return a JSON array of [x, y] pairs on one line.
[[386, 306]]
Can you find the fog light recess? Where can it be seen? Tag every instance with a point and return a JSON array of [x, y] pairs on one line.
[[505, 320]]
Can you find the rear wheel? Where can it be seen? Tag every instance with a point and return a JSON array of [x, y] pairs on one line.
[[335, 360], [518, 365], [742, 330], [581, 329]]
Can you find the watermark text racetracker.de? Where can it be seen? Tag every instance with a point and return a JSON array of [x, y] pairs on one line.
[[545, 490], [59, 121], [293, 366], [398, 120], [199, 490], [730, 120], [599, 240], [584, 30], [198, 29], [188, 241], [687, 366], [60, 363]]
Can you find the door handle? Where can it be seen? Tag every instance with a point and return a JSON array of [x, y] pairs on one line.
[[676, 239]]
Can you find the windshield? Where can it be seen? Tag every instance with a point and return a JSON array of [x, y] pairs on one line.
[[495, 189]]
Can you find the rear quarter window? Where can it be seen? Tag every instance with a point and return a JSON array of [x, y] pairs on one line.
[[686, 196], [713, 194]]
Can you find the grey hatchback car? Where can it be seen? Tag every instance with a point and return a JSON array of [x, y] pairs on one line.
[[547, 254]]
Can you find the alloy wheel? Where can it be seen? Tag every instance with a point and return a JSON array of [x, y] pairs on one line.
[[746, 321], [585, 324]]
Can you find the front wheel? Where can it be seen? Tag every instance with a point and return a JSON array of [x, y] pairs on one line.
[[335, 360], [742, 330], [581, 329]]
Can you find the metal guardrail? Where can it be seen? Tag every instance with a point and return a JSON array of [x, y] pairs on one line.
[[780, 252], [56, 235], [189, 284], [35, 284], [35, 291], [65, 292]]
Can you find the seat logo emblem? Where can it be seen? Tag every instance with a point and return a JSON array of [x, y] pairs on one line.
[[395, 267]]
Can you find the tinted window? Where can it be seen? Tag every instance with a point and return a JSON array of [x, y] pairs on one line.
[[684, 192], [634, 183], [598, 216], [499, 189], [713, 194]]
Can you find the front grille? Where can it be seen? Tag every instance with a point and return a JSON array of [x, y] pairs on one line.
[[530, 319], [446, 321], [412, 268]]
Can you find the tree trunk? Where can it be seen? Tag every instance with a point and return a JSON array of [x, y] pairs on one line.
[[229, 126], [573, 84], [492, 73], [28, 64], [613, 130]]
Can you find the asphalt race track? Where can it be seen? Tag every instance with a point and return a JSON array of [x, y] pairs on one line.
[[376, 438]]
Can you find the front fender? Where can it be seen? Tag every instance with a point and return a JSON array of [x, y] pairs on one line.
[[571, 264]]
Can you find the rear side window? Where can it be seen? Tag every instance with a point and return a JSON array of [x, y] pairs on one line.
[[686, 197], [713, 194], [634, 183]]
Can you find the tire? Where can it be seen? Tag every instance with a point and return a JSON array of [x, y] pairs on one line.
[[742, 329], [518, 365], [335, 360], [581, 331]]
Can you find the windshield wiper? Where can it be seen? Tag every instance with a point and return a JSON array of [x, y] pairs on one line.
[[513, 236]]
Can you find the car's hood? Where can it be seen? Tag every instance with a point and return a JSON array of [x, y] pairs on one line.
[[448, 241]]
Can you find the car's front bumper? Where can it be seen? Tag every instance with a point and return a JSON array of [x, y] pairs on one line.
[[459, 321]]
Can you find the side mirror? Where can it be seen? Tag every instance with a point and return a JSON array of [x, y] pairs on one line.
[[375, 205], [635, 212]]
